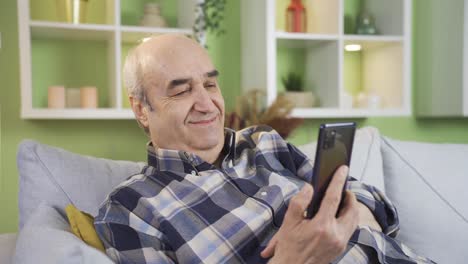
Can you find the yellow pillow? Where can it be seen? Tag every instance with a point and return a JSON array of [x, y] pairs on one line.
[[82, 226]]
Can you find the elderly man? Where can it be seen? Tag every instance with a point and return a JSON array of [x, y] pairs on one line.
[[213, 195]]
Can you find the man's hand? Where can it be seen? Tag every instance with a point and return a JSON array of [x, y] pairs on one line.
[[322, 238]]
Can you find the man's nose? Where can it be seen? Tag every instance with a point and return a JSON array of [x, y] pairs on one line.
[[203, 100]]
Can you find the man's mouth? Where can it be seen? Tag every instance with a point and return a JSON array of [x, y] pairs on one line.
[[204, 122]]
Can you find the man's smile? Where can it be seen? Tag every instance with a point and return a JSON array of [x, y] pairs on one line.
[[204, 121]]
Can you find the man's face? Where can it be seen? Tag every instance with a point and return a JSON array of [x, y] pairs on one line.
[[187, 106]]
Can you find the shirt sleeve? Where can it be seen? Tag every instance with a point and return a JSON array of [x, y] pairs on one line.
[[128, 238], [381, 207]]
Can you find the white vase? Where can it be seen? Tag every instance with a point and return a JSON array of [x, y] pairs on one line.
[[301, 99], [152, 16]]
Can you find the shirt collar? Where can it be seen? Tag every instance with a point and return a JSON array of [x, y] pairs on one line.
[[182, 161]]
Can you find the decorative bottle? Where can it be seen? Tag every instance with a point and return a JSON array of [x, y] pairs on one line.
[[365, 24], [296, 20]]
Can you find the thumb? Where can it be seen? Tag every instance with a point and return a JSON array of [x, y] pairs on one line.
[[269, 251]]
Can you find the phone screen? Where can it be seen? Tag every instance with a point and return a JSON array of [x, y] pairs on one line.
[[334, 149]]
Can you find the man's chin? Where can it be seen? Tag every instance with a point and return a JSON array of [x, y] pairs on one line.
[[207, 140]]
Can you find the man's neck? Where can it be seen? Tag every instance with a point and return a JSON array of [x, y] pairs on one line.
[[213, 156]]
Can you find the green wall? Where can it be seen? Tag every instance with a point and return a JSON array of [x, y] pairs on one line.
[[115, 139], [122, 139]]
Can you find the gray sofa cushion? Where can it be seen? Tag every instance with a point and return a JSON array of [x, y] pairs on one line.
[[59, 177], [47, 238], [427, 183]]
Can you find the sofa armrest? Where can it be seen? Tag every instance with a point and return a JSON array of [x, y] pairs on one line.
[[7, 247]]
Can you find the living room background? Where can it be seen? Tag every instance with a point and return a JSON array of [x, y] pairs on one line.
[[122, 139]]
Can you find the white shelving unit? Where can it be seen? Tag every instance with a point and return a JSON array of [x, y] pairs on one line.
[[112, 33], [382, 68]]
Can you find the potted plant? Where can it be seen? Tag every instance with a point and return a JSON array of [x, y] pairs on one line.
[[295, 92]]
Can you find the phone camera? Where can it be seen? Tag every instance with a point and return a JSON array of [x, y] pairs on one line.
[[329, 139]]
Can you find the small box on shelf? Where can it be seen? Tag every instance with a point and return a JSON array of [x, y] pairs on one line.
[[72, 98], [56, 96], [88, 97]]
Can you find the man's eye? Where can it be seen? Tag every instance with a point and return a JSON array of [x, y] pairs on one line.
[[182, 92], [210, 85]]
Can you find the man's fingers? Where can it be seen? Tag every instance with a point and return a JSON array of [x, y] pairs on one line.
[[332, 197], [298, 204], [295, 213], [269, 251], [348, 217]]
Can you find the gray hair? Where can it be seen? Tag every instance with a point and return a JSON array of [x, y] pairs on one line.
[[134, 71]]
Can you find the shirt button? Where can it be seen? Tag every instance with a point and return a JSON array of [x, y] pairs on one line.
[[194, 173], [263, 193]]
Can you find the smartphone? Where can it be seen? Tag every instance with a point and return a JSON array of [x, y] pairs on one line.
[[334, 148]]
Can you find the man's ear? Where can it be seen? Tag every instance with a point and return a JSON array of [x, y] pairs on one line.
[[140, 111]]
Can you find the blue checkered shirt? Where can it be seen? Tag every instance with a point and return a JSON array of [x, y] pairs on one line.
[[183, 209]]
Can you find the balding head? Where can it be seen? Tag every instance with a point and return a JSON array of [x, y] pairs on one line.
[[157, 57]]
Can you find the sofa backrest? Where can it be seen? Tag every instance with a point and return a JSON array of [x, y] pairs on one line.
[[428, 183], [59, 177]]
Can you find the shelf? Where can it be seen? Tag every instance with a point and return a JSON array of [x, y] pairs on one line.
[[100, 113], [305, 36], [317, 61], [71, 63], [133, 34], [303, 43], [344, 113], [382, 38], [58, 30], [376, 70], [54, 52]]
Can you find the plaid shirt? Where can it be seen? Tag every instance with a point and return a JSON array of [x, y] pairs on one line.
[[183, 209]]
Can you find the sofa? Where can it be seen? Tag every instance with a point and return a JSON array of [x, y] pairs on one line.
[[425, 181]]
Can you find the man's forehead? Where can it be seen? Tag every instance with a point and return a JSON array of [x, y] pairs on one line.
[[178, 60], [173, 49], [172, 57]]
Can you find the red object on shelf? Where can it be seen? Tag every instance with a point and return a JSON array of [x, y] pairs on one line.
[[296, 17]]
